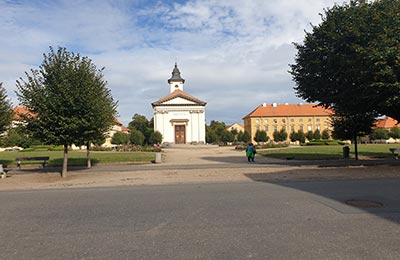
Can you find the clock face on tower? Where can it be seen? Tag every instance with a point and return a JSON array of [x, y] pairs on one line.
[[176, 86]]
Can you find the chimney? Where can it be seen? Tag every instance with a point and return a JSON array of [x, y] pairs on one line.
[[274, 104], [264, 104]]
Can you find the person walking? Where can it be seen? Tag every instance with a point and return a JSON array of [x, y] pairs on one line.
[[250, 152]]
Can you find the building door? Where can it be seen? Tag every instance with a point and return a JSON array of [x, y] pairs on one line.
[[180, 136]]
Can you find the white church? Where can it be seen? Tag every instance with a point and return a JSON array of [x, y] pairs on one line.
[[180, 117]]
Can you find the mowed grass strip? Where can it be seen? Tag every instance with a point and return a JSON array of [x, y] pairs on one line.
[[328, 152], [78, 158]]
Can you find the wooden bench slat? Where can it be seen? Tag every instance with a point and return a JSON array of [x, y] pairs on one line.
[[32, 158]]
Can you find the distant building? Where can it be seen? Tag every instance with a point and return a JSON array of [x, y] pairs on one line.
[[238, 127], [19, 112], [386, 123], [179, 117], [117, 127], [289, 117]]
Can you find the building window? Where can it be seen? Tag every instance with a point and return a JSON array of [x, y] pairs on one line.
[[257, 128], [317, 119], [283, 120], [265, 120], [275, 121], [310, 119], [266, 128], [309, 128], [284, 128], [319, 128], [292, 120], [292, 128], [301, 128], [275, 128], [257, 121], [301, 120]]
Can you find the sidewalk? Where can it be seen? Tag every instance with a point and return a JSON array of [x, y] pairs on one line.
[[207, 165]]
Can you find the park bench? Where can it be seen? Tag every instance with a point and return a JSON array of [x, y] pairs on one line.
[[394, 152], [43, 160]]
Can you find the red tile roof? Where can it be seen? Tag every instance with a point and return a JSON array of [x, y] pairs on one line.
[[269, 110], [386, 122], [178, 93], [18, 112], [123, 128]]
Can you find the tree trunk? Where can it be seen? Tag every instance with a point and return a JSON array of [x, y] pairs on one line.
[[65, 162], [355, 147], [89, 163]]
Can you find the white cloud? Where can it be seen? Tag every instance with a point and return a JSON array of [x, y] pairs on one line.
[[233, 54]]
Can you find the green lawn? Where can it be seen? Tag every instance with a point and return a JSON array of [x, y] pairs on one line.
[[330, 152], [76, 158]]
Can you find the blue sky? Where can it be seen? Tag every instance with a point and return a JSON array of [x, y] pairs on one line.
[[233, 54]]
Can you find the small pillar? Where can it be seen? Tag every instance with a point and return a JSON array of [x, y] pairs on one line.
[[158, 158]]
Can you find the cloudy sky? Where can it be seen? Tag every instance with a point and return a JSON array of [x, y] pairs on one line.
[[233, 54]]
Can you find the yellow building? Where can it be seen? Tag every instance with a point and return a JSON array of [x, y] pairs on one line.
[[235, 126], [290, 117]]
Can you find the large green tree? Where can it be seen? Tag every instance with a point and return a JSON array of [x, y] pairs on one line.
[[5, 110], [98, 106], [261, 136], [155, 138], [65, 97], [140, 123], [351, 61]]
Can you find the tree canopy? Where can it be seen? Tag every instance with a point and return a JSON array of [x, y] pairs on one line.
[[261, 136], [141, 124], [5, 110], [351, 61], [67, 99]]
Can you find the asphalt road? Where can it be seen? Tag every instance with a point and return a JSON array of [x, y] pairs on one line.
[[259, 220]]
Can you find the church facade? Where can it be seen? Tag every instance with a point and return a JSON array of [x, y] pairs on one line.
[[179, 117]]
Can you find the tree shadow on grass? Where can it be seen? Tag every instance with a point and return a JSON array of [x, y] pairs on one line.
[[265, 160], [339, 189], [79, 162]]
